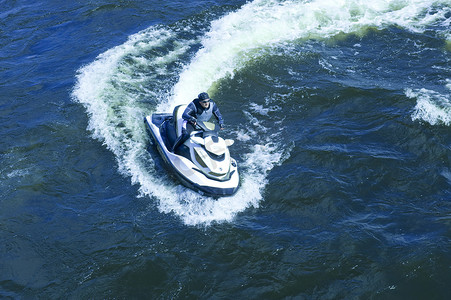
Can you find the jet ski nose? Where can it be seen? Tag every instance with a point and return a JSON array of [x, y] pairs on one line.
[[217, 147]]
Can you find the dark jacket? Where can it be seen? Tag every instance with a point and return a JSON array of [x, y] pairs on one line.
[[194, 109]]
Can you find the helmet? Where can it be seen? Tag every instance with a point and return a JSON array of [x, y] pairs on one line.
[[203, 96]]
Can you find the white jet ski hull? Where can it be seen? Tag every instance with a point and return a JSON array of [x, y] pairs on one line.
[[184, 169]]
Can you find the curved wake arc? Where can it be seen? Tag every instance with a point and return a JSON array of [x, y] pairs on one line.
[[155, 70]]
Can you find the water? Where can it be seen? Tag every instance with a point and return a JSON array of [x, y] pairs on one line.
[[341, 112]]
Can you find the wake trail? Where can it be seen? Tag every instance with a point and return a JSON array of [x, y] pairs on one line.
[[156, 69]]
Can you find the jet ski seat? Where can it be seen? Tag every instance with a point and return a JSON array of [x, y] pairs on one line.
[[178, 120]]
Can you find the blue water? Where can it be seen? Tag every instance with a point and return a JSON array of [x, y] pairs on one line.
[[341, 115]]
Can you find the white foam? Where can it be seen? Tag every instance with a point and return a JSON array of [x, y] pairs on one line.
[[115, 113], [243, 136], [18, 173], [113, 87], [264, 111], [195, 209], [239, 36], [431, 107]]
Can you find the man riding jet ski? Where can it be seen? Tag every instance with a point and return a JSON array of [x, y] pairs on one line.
[[192, 147], [200, 109]]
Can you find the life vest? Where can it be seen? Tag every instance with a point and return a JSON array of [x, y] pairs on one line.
[[206, 114]]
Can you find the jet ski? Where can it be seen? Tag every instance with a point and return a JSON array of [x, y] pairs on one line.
[[203, 162]]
